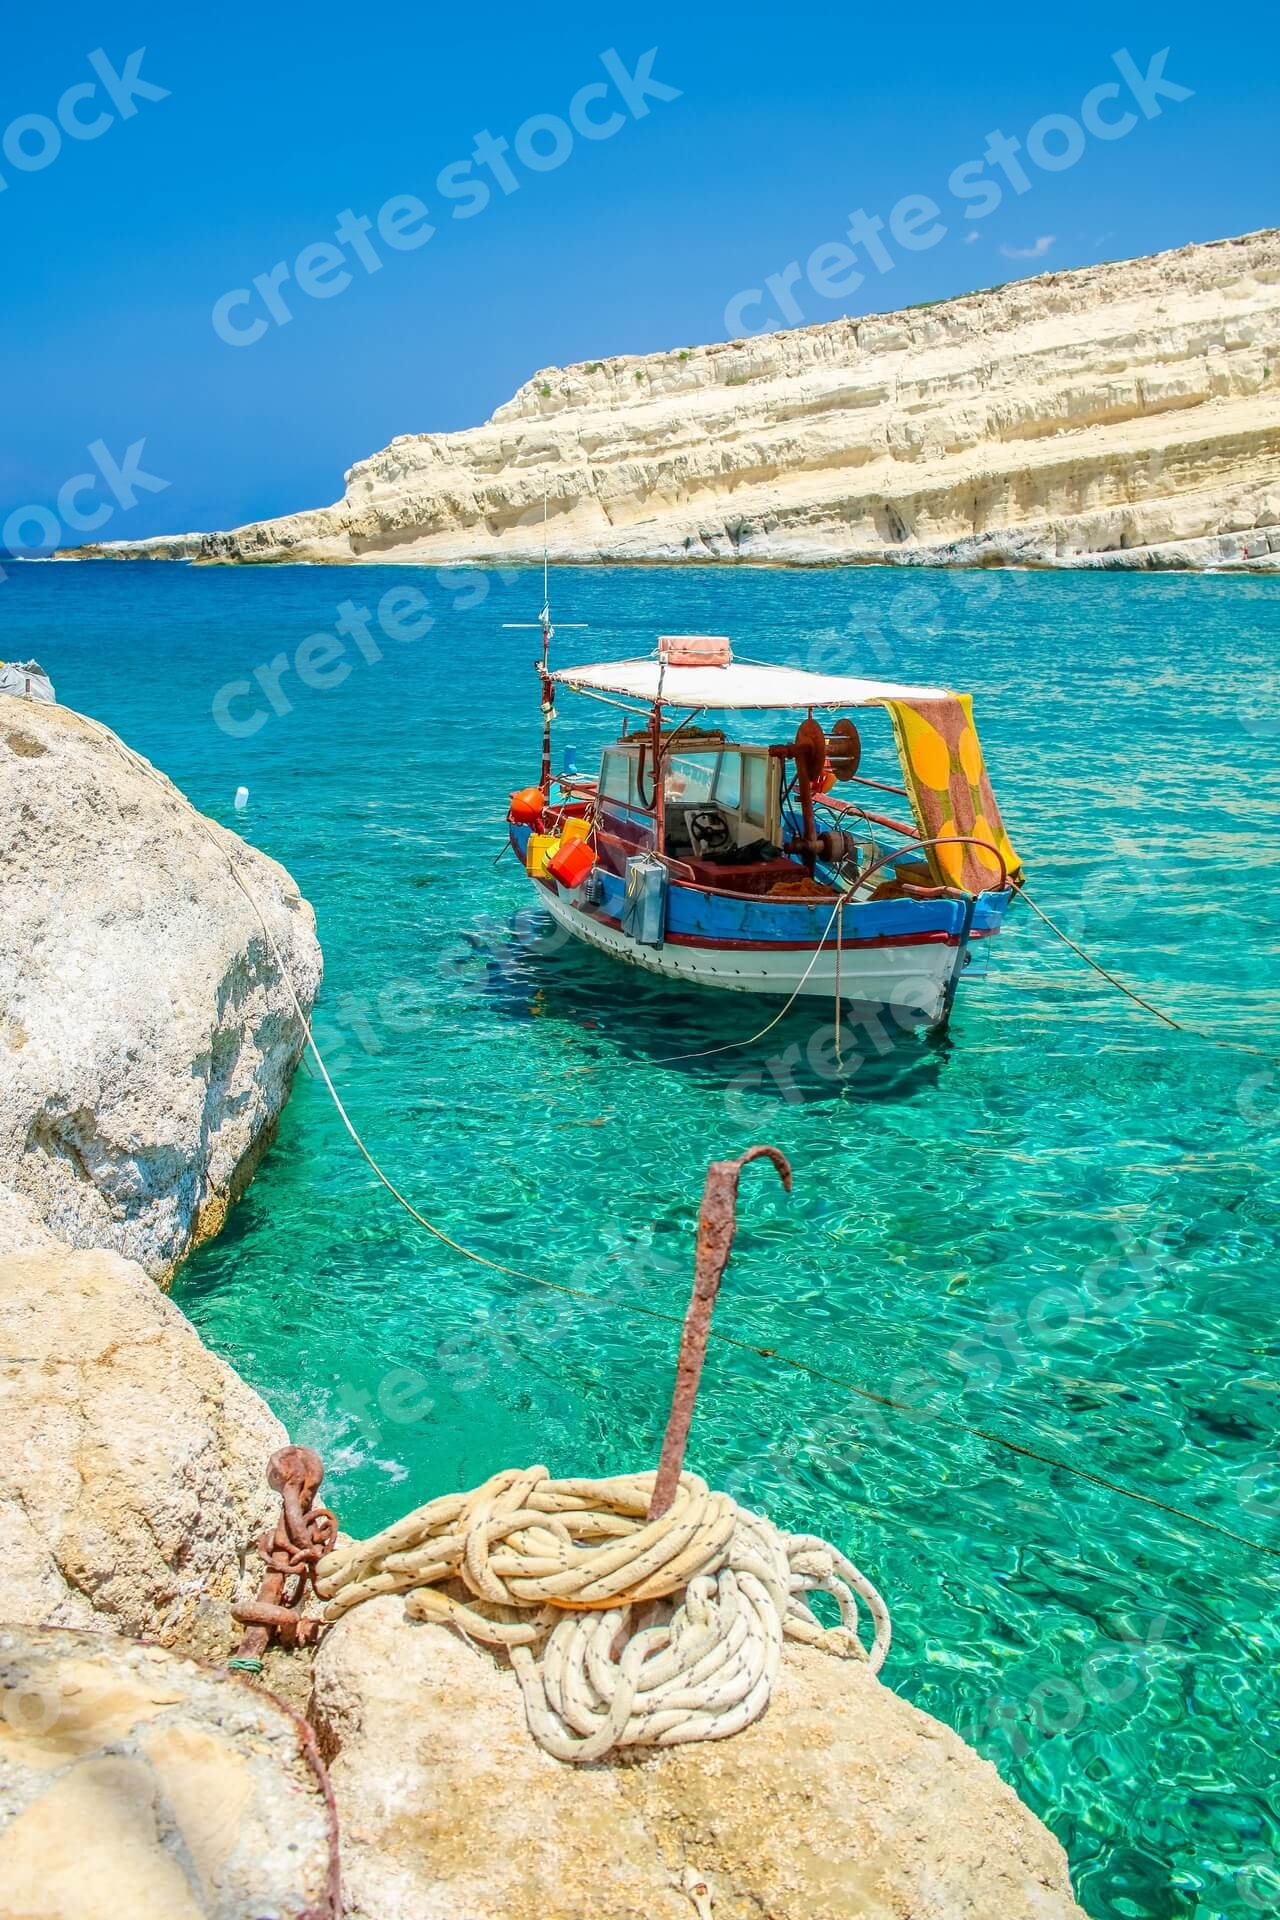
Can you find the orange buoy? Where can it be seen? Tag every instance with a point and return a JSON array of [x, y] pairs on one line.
[[527, 806]]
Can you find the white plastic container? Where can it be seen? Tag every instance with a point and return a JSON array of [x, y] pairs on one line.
[[644, 912]]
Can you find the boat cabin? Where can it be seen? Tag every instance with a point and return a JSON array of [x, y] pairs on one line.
[[721, 808]]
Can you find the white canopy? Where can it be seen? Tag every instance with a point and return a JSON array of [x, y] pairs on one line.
[[739, 685]]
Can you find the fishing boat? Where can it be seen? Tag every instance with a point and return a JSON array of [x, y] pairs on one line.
[[771, 867]]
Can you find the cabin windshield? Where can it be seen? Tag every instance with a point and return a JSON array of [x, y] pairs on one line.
[[716, 797], [718, 801], [619, 773], [703, 777]]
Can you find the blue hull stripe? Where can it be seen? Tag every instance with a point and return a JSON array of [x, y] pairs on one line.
[[697, 917]]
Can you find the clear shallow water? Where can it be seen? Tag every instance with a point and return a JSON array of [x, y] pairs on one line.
[[1061, 1227]]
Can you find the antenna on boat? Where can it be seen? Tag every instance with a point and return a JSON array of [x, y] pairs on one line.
[[543, 666]]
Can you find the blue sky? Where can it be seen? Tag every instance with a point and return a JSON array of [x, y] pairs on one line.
[[275, 122]]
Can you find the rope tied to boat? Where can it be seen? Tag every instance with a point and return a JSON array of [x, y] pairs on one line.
[[622, 1630]]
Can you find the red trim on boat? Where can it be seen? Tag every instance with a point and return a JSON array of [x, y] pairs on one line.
[[811, 946], [784, 946]]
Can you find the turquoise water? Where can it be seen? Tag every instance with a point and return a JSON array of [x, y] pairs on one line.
[[1059, 1227]]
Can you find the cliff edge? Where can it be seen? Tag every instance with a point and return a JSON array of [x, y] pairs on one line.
[[1118, 415]]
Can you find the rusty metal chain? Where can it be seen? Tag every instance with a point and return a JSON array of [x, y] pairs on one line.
[[301, 1537]]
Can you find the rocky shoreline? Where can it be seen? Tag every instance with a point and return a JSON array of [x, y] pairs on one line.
[[1124, 416], [147, 1041]]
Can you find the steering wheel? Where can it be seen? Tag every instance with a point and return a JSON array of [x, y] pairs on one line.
[[709, 832]]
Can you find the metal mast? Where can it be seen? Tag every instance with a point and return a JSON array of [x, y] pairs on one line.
[[543, 666]]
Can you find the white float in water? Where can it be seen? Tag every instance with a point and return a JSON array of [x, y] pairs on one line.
[[242, 799]]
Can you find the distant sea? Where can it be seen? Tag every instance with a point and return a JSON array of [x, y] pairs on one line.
[[1059, 1227]]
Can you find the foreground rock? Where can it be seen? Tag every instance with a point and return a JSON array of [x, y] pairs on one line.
[[147, 1037], [132, 1475], [134, 1784], [1120, 415], [843, 1801], [20, 1227]]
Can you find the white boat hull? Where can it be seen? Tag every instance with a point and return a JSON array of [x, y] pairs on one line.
[[909, 980]]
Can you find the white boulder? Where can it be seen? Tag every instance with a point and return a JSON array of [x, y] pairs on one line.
[[147, 1036], [138, 1786]]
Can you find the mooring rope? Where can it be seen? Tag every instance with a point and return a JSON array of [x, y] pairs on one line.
[[731, 1046], [1090, 962], [622, 1631], [136, 760], [1212, 1039], [633, 1307]]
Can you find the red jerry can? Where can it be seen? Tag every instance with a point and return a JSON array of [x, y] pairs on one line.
[[571, 865]]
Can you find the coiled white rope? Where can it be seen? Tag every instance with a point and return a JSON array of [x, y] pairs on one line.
[[623, 1631]]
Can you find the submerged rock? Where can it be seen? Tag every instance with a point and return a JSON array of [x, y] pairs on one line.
[[147, 1036], [842, 1801], [132, 1476], [134, 1784]]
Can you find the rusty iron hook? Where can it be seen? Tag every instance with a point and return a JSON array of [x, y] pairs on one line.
[[717, 1223]]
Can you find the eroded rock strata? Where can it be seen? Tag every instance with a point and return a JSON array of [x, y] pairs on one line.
[[1125, 415]]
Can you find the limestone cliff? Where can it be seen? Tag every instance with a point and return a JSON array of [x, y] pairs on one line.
[[1118, 415]]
